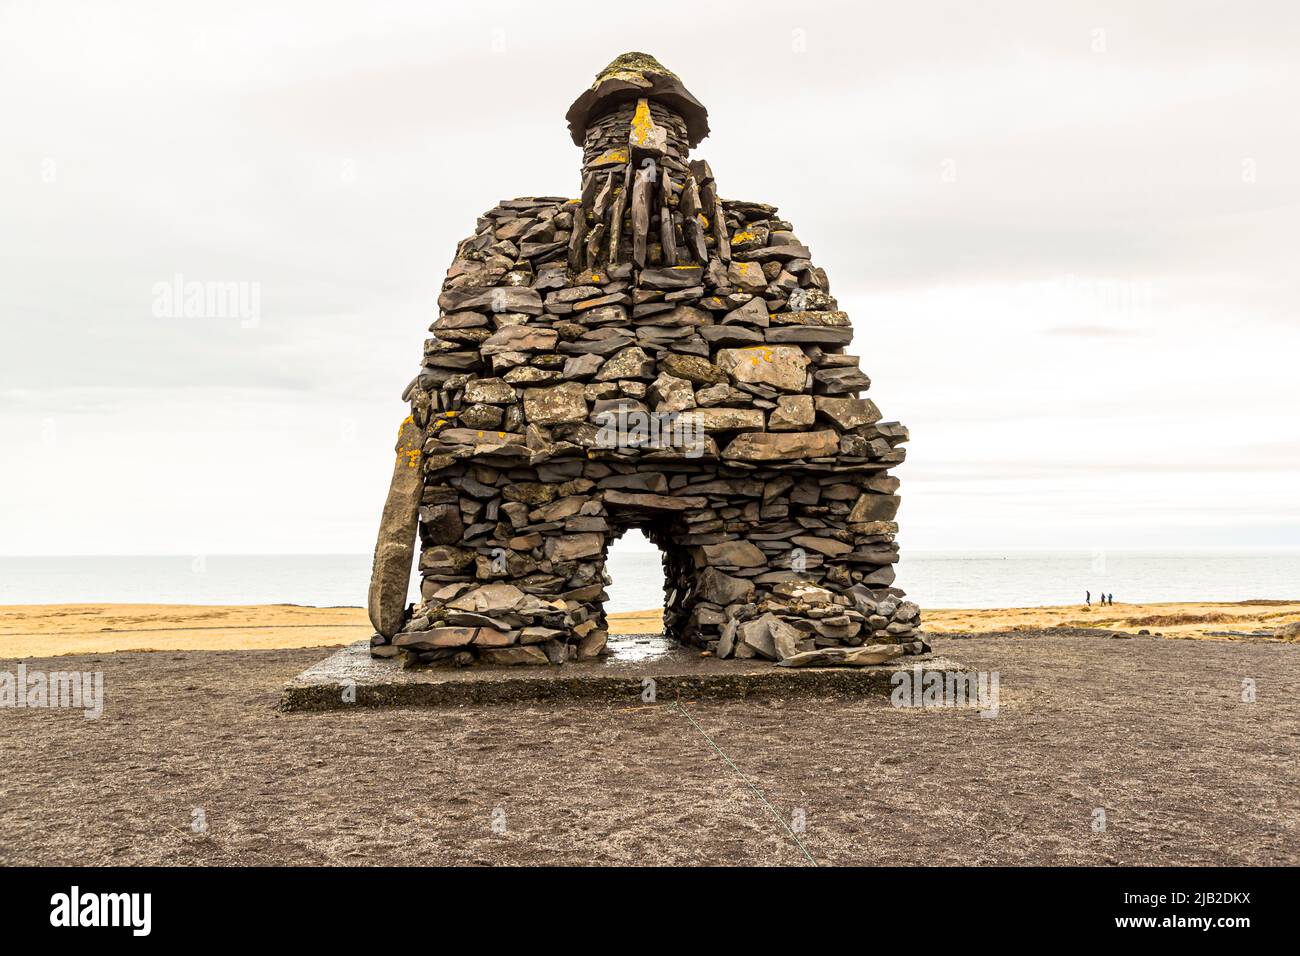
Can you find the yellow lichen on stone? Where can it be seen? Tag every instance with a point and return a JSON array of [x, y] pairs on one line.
[[757, 352], [642, 122]]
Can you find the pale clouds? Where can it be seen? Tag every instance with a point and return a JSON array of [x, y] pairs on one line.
[[1065, 234]]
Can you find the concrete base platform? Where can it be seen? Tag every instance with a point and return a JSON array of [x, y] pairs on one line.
[[352, 678]]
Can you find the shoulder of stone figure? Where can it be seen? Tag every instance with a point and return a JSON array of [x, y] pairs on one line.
[[537, 227], [512, 231]]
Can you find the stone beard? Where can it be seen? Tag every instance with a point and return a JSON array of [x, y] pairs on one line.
[[645, 355]]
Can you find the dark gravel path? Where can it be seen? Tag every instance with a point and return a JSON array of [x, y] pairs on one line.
[[1153, 732]]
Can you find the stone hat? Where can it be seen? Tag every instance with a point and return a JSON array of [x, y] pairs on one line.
[[632, 76]]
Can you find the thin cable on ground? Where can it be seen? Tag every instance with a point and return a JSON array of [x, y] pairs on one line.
[[758, 793]]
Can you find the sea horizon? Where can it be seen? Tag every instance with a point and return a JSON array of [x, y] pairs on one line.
[[984, 578]]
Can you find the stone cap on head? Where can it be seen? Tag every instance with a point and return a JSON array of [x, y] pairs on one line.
[[633, 76]]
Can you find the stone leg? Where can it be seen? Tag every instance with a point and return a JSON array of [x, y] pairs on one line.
[[513, 564]]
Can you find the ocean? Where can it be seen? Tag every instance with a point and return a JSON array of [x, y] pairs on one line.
[[932, 579]]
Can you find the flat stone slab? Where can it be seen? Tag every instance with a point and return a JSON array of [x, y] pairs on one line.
[[352, 678]]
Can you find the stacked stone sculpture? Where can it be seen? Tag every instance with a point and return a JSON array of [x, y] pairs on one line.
[[649, 355]]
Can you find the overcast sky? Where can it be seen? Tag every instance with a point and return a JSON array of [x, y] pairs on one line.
[[1066, 234]]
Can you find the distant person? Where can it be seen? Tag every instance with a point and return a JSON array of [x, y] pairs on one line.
[[1110, 599], [1087, 598]]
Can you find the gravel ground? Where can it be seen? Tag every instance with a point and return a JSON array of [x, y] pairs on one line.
[[1154, 732]]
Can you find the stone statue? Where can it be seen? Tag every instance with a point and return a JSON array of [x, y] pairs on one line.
[[648, 355]]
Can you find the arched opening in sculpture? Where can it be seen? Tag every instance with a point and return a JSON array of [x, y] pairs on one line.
[[636, 584], [646, 355], [663, 530]]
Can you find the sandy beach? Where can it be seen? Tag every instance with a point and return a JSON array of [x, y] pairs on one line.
[[51, 630]]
